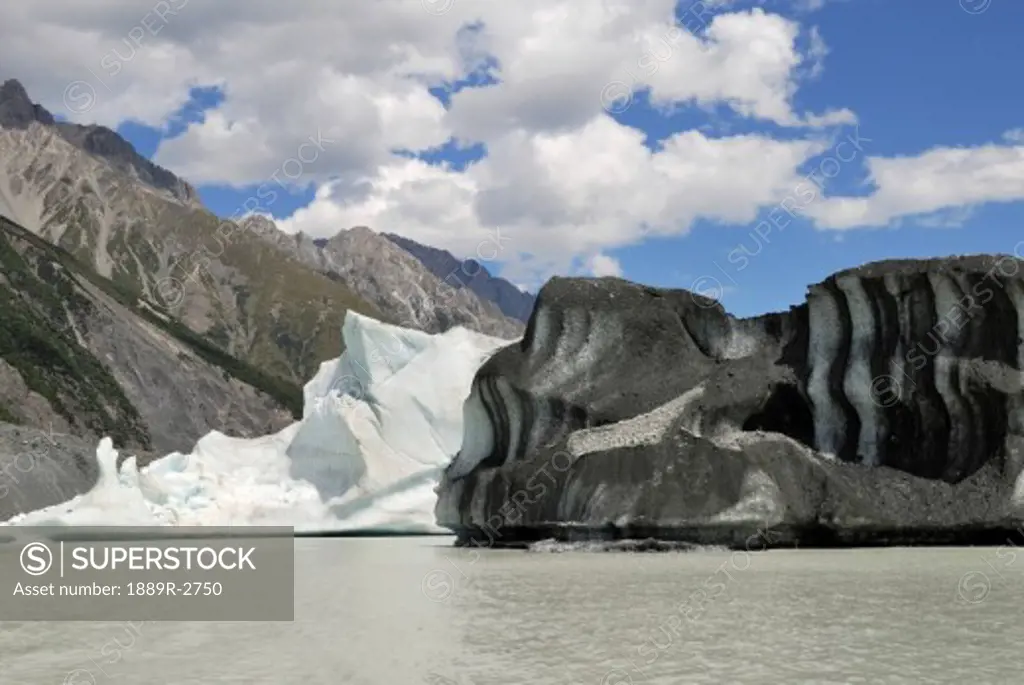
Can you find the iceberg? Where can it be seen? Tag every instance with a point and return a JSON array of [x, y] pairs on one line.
[[380, 423]]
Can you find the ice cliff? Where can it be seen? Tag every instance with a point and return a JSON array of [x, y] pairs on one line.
[[888, 407], [379, 425]]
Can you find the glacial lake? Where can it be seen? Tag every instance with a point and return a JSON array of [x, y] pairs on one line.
[[404, 611]]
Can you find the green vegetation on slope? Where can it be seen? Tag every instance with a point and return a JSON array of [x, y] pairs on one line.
[[52, 291], [38, 303], [7, 417], [288, 395], [284, 317]]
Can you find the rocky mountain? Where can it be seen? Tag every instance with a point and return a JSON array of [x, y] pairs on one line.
[[83, 188], [887, 409], [17, 111], [391, 279], [470, 273], [80, 356]]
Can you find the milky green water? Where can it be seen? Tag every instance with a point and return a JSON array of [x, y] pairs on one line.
[[414, 610]]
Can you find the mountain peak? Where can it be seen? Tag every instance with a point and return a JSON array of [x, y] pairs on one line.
[[11, 89], [16, 109], [470, 273], [258, 223], [108, 144], [361, 234]]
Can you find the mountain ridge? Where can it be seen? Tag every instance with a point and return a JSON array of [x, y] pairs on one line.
[[391, 279], [80, 355], [86, 190], [470, 273], [18, 110], [164, 321]]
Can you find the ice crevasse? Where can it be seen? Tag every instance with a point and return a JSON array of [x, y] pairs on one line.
[[379, 424]]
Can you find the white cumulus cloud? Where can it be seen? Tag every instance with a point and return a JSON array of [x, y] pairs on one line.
[[603, 265], [342, 86], [942, 178]]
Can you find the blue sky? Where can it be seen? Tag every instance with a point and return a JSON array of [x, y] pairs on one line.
[[917, 75]]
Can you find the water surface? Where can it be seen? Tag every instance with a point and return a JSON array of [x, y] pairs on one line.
[[404, 611]]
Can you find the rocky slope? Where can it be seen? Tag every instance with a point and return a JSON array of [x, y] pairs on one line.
[[86, 190], [887, 408], [80, 356], [470, 273], [39, 468], [391, 279]]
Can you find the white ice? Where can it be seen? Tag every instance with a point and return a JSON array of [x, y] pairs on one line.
[[379, 425]]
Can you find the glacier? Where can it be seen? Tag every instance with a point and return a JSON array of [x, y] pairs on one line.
[[379, 425]]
